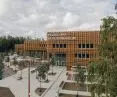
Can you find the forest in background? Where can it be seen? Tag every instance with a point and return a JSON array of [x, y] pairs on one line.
[[7, 44]]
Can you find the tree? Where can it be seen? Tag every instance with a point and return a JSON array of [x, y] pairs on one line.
[[98, 76], [41, 73], [8, 43], [53, 62], [15, 63], [1, 68], [7, 59], [21, 65], [103, 72], [79, 76], [47, 69]]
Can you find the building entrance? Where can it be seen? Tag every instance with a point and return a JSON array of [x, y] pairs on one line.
[[60, 59]]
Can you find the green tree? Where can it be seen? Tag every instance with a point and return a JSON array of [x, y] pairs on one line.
[[21, 65], [80, 77], [104, 71], [41, 73], [47, 69], [8, 43], [15, 63], [1, 68], [7, 59], [52, 63], [98, 76]]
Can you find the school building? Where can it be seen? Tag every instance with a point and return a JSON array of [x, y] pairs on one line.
[[68, 47]]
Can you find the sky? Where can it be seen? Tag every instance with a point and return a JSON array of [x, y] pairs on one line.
[[37, 17]]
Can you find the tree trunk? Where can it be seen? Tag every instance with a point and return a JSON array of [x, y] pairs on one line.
[[106, 89], [77, 91], [21, 74], [86, 83], [40, 84], [47, 77], [15, 68], [36, 75], [52, 70]]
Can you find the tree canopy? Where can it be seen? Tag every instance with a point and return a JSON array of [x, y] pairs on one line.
[[8, 43], [103, 71], [1, 67]]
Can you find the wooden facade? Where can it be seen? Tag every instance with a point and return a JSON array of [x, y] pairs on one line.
[[19, 48], [78, 47], [32, 47], [69, 47]]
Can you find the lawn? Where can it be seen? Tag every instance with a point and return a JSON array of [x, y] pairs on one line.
[[69, 95], [73, 87]]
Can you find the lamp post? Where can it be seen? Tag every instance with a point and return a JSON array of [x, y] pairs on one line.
[[29, 79], [29, 61]]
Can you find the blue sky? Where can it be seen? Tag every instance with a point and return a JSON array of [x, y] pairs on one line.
[[36, 17]]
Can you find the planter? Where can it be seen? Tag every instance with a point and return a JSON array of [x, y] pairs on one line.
[[40, 91], [73, 86], [70, 95]]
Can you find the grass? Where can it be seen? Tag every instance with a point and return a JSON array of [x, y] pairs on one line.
[[69, 95], [73, 87]]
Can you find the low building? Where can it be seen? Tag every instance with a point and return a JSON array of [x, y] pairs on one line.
[[68, 47], [19, 48], [5, 92]]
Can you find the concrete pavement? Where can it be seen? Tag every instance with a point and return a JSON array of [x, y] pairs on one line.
[[53, 89], [20, 87]]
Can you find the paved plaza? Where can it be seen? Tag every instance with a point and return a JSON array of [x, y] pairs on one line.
[[7, 72], [20, 87]]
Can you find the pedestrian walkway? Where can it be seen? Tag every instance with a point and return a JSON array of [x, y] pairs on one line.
[[20, 87], [53, 90]]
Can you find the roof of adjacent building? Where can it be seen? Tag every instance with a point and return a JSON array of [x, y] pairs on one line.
[[5, 92]]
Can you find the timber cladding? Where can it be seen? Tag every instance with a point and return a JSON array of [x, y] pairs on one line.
[[78, 46], [19, 48], [73, 46], [35, 45]]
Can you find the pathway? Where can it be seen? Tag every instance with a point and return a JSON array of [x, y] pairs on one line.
[[52, 92]]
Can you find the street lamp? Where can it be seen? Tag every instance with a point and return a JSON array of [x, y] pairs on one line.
[[29, 61]]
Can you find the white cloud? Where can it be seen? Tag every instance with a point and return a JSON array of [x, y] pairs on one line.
[[3, 6], [39, 16], [70, 19]]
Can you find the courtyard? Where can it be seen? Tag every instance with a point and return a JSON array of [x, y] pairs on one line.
[[20, 87]]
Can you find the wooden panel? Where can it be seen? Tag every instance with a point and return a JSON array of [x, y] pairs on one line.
[[71, 39]]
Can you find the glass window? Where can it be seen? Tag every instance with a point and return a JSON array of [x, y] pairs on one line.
[[79, 55], [87, 45], [53, 45], [91, 45], [83, 55], [87, 55], [64, 45], [79, 46], [83, 45], [61, 46], [57, 45], [76, 55]]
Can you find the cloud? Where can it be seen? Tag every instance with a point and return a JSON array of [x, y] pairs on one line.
[[3, 8], [39, 16], [70, 19]]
